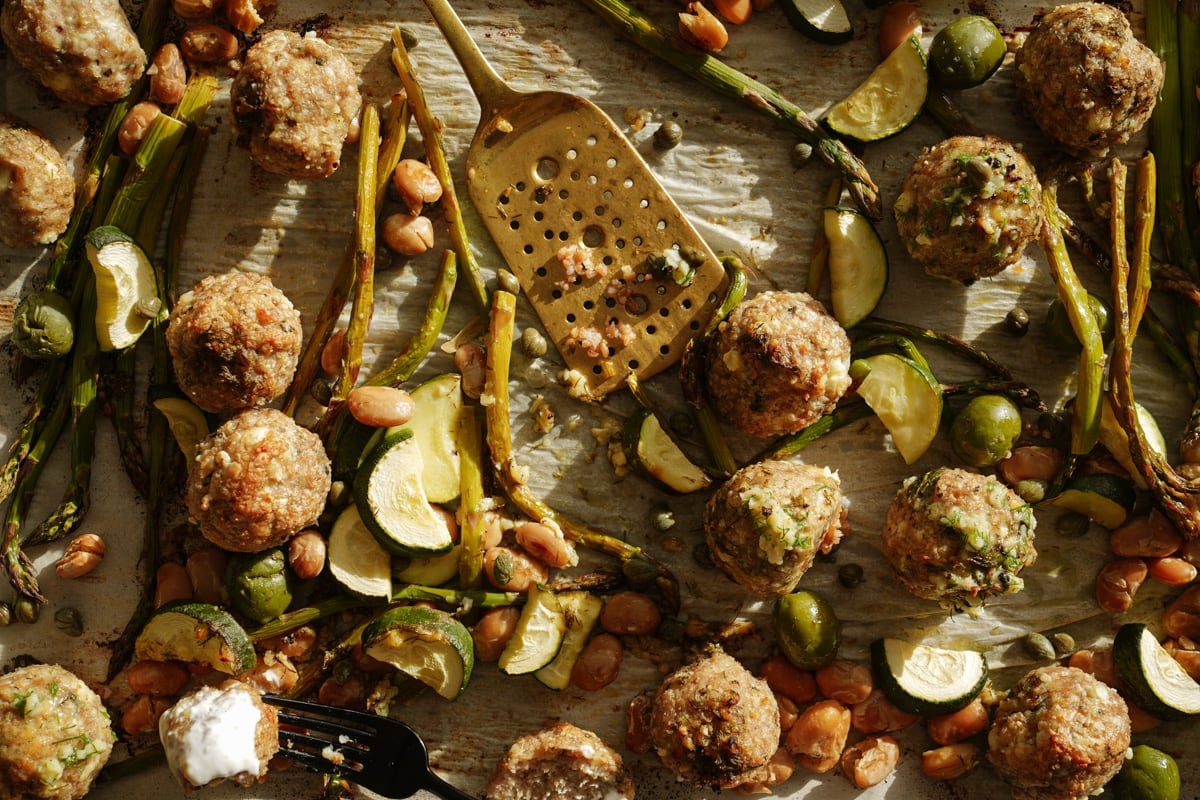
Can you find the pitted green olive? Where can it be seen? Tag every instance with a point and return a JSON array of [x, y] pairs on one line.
[[44, 325], [985, 430], [1149, 774], [260, 584], [966, 52]]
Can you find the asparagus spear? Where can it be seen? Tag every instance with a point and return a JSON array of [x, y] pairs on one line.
[[890, 328], [638, 566], [1085, 425], [394, 136], [718, 75], [435, 153], [472, 523]]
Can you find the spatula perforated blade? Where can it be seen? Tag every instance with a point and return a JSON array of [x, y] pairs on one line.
[[584, 225]]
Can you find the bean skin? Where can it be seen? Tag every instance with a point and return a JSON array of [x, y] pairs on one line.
[[599, 663], [83, 554], [1145, 536], [637, 724], [785, 678], [950, 761], [818, 737], [958, 725], [545, 544], [630, 613], [878, 714], [868, 762], [380, 406]]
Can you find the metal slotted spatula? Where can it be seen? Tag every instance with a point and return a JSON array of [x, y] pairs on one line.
[[584, 225]]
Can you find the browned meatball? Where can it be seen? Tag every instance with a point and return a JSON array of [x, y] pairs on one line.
[[777, 364], [1085, 79], [712, 721], [217, 734], [968, 207], [958, 537], [82, 50], [257, 480], [37, 192], [55, 734], [234, 341], [561, 762], [295, 101], [1059, 734], [765, 525]]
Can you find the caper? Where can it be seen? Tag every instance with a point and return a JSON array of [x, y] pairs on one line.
[[1016, 321], [507, 281], [69, 621], [668, 135], [533, 343], [1072, 525], [44, 325], [801, 154], [1031, 490], [1063, 643], [27, 610], [850, 575], [662, 518], [408, 38], [342, 671], [322, 389], [503, 568], [6, 614], [1039, 645], [978, 173]]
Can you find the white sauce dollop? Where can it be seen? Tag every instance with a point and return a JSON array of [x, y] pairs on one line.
[[209, 735]]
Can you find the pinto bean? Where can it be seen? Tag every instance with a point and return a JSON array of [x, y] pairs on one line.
[[1145, 536], [206, 570], [380, 406], [1182, 617], [417, 184], [171, 582], [1118, 582], [168, 75], [158, 678], [950, 761], [545, 544], [492, 632], [83, 554], [878, 714], [1171, 571], [785, 678]]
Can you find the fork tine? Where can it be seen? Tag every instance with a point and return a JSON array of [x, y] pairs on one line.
[[318, 763], [345, 733], [303, 739]]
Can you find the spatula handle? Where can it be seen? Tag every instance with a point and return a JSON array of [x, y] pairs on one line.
[[492, 92]]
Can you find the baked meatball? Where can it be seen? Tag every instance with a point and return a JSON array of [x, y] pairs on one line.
[[295, 102], [561, 762], [37, 192], [765, 525], [958, 537], [968, 207], [257, 480], [777, 364], [1084, 78], [218, 734], [82, 50], [712, 721], [1059, 734], [234, 340], [55, 734]]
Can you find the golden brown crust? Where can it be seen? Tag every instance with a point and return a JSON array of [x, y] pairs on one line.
[[561, 762]]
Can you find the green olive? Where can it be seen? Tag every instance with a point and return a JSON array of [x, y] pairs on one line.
[[260, 584], [1149, 774], [44, 325], [985, 430], [806, 628], [1058, 322], [966, 52]]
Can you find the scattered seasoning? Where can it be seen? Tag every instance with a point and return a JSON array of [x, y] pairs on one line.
[[1016, 322], [668, 135]]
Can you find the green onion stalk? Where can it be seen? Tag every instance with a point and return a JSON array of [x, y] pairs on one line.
[[435, 154], [639, 567], [363, 302], [1085, 423], [1177, 496], [717, 75], [395, 134]]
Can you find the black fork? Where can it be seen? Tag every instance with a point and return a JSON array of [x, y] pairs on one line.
[[378, 753]]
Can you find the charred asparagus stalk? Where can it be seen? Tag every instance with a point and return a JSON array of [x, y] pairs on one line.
[[718, 75]]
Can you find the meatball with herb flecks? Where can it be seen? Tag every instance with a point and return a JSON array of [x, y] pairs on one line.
[[968, 207], [234, 340], [82, 50], [777, 364], [1059, 734], [765, 525], [37, 192], [712, 721], [563, 762], [1084, 78], [55, 734], [958, 537], [295, 103], [257, 480]]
